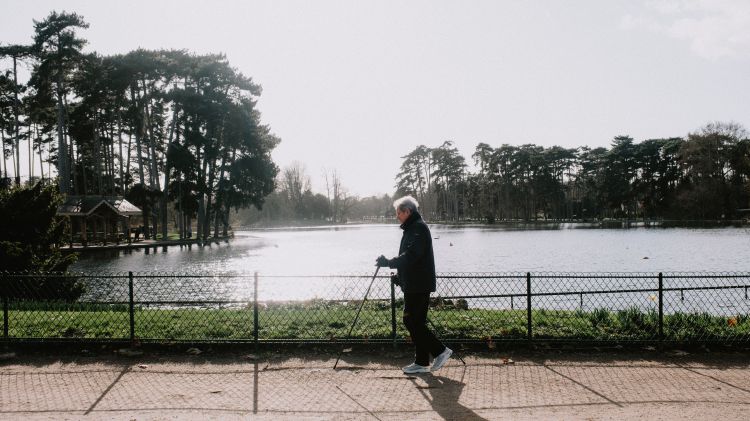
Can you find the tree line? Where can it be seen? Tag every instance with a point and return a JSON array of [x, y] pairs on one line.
[[161, 127], [705, 175], [294, 201]]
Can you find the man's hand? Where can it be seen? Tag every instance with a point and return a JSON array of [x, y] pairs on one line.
[[382, 261], [395, 279]]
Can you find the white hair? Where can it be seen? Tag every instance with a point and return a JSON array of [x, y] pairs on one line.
[[406, 202]]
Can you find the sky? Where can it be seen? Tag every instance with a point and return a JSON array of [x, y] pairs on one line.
[[353, 86]]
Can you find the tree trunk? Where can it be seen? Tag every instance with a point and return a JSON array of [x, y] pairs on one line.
[[153, 181], [97, 155], [2, 152], [138, 134], [13, 161], [72, 151], [31, 153], [220, 196], [111, 160], [209, 196], [212, 172], [129, 151], [41, 160], [62, 151], [201, 216], [119, 142], [226, 219], [63, 168], [81, 189], [167, 168], [201, 198], [16, 123], [179, 205]]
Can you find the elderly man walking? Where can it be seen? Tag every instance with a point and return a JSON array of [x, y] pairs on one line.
[[416, 277]]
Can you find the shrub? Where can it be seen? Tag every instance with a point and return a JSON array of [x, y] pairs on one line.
[[30, 239]]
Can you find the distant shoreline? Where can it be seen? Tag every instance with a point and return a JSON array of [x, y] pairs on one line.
[[593, 224], [145, 244]]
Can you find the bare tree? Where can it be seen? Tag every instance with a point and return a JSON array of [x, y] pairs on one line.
[[295, 182], [339, 199]]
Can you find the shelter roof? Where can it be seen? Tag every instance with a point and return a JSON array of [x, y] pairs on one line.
[[86, 205]]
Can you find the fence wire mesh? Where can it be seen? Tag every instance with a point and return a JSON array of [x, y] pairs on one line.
[[706, 307], [467, 307], [595, 306]]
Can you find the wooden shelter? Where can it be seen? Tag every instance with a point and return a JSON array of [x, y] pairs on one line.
[[98, 219]]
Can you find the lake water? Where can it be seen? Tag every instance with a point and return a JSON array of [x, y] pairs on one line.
[[353, 248], [291, 263]]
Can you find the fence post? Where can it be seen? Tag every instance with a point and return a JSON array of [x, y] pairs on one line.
[[255, 311], [5, 316], [5, 284], [528, 306], [5, 305], [393, 313], [661, 307], [131, 306]]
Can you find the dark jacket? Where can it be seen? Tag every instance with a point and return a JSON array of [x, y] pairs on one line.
[[415, 261]]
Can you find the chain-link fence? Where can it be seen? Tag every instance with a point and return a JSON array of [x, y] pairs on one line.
[[467, 307]]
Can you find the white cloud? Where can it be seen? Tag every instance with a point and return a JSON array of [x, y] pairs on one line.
[[714, 28]]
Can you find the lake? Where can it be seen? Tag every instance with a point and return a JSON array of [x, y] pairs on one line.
[[292, 264], [353, 248]]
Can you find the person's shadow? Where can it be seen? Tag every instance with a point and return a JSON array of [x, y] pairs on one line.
[[443, 394]]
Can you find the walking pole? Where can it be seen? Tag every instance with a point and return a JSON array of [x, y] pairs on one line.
[[455, 354], [357, 316]]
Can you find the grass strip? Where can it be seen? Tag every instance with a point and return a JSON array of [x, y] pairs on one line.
[[329, 321]]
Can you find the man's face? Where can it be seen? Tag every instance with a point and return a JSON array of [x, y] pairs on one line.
[[402, 215]]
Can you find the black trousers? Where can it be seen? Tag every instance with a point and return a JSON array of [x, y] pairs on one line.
[[415, 320]]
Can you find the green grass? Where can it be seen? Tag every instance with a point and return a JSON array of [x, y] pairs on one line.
[[170, 236], [319, 320]]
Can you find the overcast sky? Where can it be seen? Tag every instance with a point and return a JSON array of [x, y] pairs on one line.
[[354, 85]]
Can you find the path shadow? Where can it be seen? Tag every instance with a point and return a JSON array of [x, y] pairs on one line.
[[443, 394]]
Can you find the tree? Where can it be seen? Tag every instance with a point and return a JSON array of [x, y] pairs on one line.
[[415, 178], [619, 174], [374, 206], [32, 241], [339, 199], [739, 163], [16, 52], [657, 175], [448, 170], [706, 162], [58, 50], [483, 158], [252, 179], [6, 121], [39, 107], [124, 122], [503, 177], [294, 183]]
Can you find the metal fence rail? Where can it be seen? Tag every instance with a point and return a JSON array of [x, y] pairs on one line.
[[467, 307]]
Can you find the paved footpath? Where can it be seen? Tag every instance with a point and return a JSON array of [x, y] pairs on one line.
[[534, 385]]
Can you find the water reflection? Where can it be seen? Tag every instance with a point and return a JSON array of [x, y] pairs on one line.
[[353, 248]]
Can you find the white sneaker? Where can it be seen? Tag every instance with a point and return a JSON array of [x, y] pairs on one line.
[[440, 360], [415, 368]]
